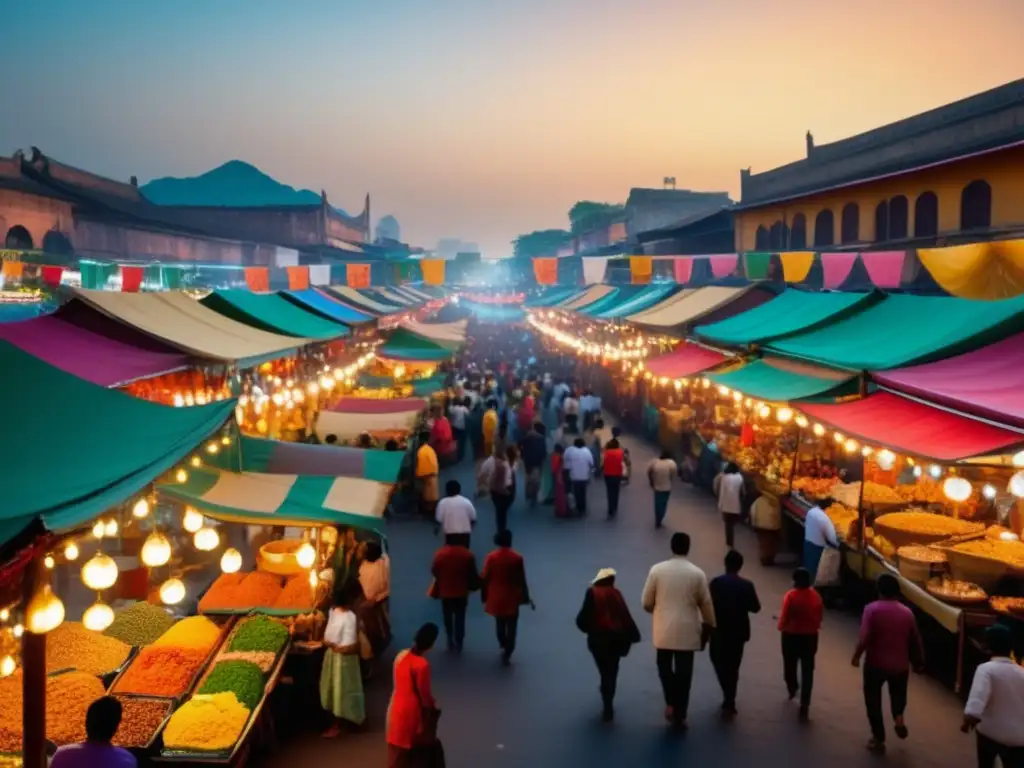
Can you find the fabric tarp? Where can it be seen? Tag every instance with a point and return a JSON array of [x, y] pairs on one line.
[[912, 427], [450, 335], [88, 355], [377, 295], [72, 449], [616, 298], [417, 293], [270, 499], [270, 312], [643, 300], [589, 296], [410, 293], [686, 307], [396, 298], [354, 297], [987, 270], [552, 296], [987, 382], [406, 345], [350, 418], [781, 381], [685, 360], [183, 322], [902, 330], [324, 305], [790, 312], [254, 454]]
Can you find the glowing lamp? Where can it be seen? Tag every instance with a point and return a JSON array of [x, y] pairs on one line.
[[1016, 486], [191, 521], [850, 446], [819, 430], [179, 400], [917, 471], [196, 462], [5, 614], [172, 591], [156, 550], [989, 491], [206, 539], [98, 529], [49, 562], [18, 630], [305, 555], [44, 612], [935, 471], [181, 476], [7, 666], [141, 508], [801, 421], [784, 415], [98, 616], [764, 411], [737, 397], [110, 528], [957, 488], [99, 572], [839, 437], [885, 459], [226, 440], [212, 448], [723, 391], [1018, 459], [313, 579], [231, 560]]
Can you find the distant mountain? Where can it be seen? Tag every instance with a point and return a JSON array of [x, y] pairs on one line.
[[235, 183]]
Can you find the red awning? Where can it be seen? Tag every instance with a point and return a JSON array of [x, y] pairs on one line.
[[685, 360], [915, 428]]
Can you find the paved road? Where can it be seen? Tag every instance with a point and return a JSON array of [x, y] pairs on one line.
[[544, 710]]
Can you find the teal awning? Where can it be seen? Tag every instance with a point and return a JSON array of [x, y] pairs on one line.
[[780, 382], [405, 345], [271, 312]]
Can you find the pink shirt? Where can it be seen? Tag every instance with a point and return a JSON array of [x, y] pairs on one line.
[[888, 630]]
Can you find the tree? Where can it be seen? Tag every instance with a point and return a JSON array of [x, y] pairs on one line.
[[587, 215], [545, 242]]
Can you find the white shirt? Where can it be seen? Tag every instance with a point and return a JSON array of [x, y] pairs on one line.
[[456, 514], [818, 528], [997, 700], [677, 594], [730, 488], [571, 406], [579, 462], [342, 628], [457, 416]]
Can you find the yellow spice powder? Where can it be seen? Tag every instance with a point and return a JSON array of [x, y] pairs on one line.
[[195, 632], [210, 722]]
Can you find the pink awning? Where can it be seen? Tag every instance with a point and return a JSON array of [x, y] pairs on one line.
[[987, 382], [685, 360], [370, 405]]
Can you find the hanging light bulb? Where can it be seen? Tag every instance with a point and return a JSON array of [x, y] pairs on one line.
[[44, 611], [99, 572], [5, 614], [110, 528], [989, 491], [784, 415], [49, 562], [206, 539], [7, 666], [141, 509], [18, 630], [1016, 485], [196, 462], [917, 471], [231, 560], [181, 476], [178, 400], [313, 579], [764, 411], [191, 521], [851, 445], [819, 430], [305, 555], [226, 440], [156, 550], [839, 437], [212, 448], [1018, 459], [98, 616], [723, 391], [957, 488], [801, 421], [98, 529], [866, 451], [935, 471], [885, 459], [172, 591]]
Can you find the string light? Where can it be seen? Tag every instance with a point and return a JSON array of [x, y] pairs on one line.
[[44, 612], [206, 539], [98, 616], [172, 591], [181, 476], [191, 521], [231, 560], [141, 508], [110, 528], [99, 572], [156, 550], [7, 666], [989, 491], [819, 430]]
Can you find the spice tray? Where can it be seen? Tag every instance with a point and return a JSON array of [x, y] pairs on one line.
[[160, 728]]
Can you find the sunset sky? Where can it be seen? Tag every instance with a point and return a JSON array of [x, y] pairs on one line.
[[482, 119]]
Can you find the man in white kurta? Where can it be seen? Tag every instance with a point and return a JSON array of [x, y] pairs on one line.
[[677, 595]]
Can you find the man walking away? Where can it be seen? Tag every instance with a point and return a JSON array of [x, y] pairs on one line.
[[457, 416], [503, 486], [534, 450], [677, 595], [660, 473], [889, 641], [995, 703], [734, 598], [614, 465], [504, 590], [455, 576], [579, 463], [729, 486], [456, 514], [800, 623]]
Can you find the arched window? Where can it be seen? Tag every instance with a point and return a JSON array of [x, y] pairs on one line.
[[824, 228], [798, 233], [926, 215], [18, 237], [761, 239], [850, 229], [57, 242], [899, 214], [882, 221], [976, 205], [777, 236]]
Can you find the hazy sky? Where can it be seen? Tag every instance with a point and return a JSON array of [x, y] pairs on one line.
[[482, 119]]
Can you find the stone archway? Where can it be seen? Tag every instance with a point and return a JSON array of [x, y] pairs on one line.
[[18, 238]]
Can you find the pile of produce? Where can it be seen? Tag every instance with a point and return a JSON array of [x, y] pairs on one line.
[[140, 719], [241, 591], [242, 678], [1009, 552], [927, 523], [161, 671], [72, 646], [222, 593], [843, 518], [68, 696], [814, 487], [1013, 605], [195, 632], [139, 624], [921, 554], [259, 634], [262, 659], [297, 595], [208, 722], [956, 591]]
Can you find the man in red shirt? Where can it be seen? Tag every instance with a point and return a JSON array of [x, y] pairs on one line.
[[800, 623], [614, 463], [455, 576], [504, 590], [890, 641]]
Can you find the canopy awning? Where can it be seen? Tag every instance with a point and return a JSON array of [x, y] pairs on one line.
[[791, 312], [270, 312], [988, 382], [902, 330], [687, 306], [352, 416], [412, 293], [450, 335], [781, 381], [551, 296], [330, 308], [397, 298], [647, 298], [683, 361], [89, 355], [405, 345], [184, 323], [619, 295], [356, 299], [912, 427], [71, 449], [268, 499], [589, 296]]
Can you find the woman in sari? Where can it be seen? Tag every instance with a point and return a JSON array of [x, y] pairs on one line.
[[558, 478], [412, 711], [341, 680], [442, 439]]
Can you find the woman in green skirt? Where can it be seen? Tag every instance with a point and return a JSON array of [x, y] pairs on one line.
[[341, 681]]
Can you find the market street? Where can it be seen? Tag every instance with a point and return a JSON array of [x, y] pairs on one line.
[[544, 710]]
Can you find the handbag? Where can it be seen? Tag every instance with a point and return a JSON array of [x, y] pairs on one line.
[[429, 716]]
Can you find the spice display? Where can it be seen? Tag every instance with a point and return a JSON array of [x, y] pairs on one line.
[[195, 632], [242, 678], [10, 713], [262, 659], [921, 554], [237, 591], [206, 722], [1009, 552], [161, 671], [140, 719], [926, 523], [259, 634], [223, 593], [297, 595], [72, 646], [139, 624], [842, 518], [956, 591], [814, 487], [1011, 605]]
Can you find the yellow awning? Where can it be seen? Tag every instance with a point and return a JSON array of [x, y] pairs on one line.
[[592, 294], [687, 306]]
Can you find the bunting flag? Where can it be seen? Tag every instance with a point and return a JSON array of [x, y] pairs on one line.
[[796, 265], [682, 268], [171, 278], [357, 275], [12, 270], [835, 268], [433, 271], [756, 264], [978, 270], [257, 278], [52, 275], [640, 269], [885, 268], [724, 264], [298, 278], [320, 274], [131, 278], [594, 268], [546, 271]]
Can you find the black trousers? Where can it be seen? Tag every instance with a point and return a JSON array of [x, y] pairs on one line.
[[726, 657], [572, 421], [579, 492], [799, 651], [502, 504], [506, 628], [608, 669], [460, 443], [675, 670], [989, 750], [730, 528], [454, 611], [874, 679], [613, 485]]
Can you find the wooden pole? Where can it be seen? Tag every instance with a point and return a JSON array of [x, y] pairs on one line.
[[33, 684]]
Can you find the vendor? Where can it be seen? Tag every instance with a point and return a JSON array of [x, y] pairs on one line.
[[427, 470], [375, 580]]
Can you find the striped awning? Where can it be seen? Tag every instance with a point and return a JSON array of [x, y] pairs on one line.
[[352, 416]]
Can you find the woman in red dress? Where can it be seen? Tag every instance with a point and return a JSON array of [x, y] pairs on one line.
[[412, 712], [558, 478], [442, 439]]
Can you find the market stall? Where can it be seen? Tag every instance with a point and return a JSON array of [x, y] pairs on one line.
[[274, 314], [383, 420], [330, 308]]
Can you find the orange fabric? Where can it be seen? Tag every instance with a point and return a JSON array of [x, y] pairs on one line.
[[357, 275], [546, 271], [411, 675], [12, 269], [641, 268], [433, 271], [298, 278], [257, 278]]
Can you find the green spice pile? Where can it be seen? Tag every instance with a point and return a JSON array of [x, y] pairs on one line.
[[139, 624], [242, 678], [259, 634]]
